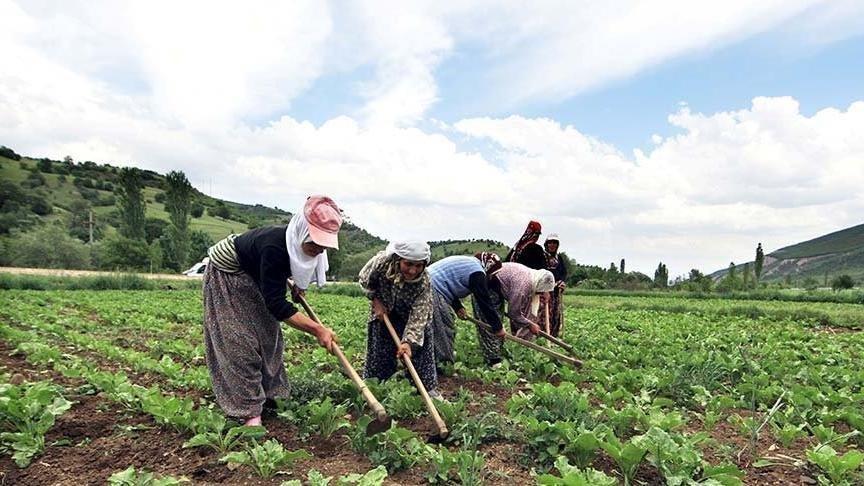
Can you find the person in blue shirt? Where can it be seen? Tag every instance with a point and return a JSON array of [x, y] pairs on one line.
[[454, 278]]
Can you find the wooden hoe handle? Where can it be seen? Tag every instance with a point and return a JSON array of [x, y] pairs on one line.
[[528, 344], [439, 422], [373, 402]]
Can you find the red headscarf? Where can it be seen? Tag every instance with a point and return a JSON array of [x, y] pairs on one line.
[[531, 235]]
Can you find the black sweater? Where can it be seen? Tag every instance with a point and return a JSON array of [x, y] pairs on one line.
[[533, 256], [263, 255]]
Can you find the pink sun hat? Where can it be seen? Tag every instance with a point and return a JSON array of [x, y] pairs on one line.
[[324, 220]]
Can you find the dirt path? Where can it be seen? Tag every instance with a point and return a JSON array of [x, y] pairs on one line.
[[53, 272]]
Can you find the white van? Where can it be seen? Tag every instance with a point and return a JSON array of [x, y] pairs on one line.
[[197, 270]]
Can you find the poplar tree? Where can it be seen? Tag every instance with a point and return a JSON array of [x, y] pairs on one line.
[[757, 264], [131, 202]]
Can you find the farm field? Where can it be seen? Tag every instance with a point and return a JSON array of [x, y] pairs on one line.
[[681, 391]]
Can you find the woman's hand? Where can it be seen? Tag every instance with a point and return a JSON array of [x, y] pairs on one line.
[[404, 350], [378, 309], [535, 329], [326, 338], [500, 333]]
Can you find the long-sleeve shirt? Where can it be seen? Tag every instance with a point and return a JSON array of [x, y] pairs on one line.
[[408, 302], [533, 256], [518, 288], [560, 270], [457, 277], [263, 254]]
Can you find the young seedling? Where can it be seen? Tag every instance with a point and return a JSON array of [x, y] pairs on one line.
[[626, 456], [265, 459]]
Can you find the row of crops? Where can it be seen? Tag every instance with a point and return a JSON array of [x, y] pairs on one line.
[[672, 392]]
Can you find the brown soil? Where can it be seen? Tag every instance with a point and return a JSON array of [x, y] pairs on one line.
[[765, 447], [96, 438]]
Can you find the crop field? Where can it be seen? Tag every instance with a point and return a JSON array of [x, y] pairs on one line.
[[112, 384]]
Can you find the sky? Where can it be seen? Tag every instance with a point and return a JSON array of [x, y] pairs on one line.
[[677, 131]]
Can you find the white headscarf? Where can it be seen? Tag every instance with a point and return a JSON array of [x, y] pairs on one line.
[[543, 281], [413, 250], [304, 269]]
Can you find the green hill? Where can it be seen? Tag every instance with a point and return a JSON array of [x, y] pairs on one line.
[[38, 192], [441, 249], [819, 259], [843, 241]]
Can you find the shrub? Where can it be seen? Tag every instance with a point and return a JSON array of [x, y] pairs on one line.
[[842, 282], [119, 252], [48, 247]]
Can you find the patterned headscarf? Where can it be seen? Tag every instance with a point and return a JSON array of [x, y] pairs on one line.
[[531, 235], [491, 261]]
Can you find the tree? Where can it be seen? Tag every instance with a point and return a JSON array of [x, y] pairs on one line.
[[220, 210], [122, 253], [661, 276], [131, 204], [48, 247], [78, 222], [197, 209], [154, 228], [757, 264], [8, 153], [730, 281], [745, 276], [622, 266], [44, 165], [178, 196], [199, 243], [842, 282]]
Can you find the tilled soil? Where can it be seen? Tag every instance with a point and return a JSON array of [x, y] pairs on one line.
[[97, 438]]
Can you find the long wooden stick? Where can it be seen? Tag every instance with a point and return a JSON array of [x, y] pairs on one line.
[[560, 292], [548, 328], [439, 422], [528, 344], [373, 402], [554, 340]]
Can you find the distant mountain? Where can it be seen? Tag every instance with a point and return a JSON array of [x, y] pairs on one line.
[[840, 252]]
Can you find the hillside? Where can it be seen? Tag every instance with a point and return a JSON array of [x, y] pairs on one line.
[[63, 192], [822, 258], [838, 242]]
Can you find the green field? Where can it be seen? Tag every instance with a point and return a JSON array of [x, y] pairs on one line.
[[673, 391]]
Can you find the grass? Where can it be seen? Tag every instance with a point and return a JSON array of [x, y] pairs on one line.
[[100, 282]]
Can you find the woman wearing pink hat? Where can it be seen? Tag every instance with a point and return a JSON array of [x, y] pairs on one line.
[[244, 301]]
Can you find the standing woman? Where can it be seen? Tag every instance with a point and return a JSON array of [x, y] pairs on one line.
[[521, 287], [556, 265], [396, 282], [244, 301], [526, 251]]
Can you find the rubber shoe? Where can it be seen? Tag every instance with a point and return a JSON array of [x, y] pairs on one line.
[[253, 422], [436, 395]]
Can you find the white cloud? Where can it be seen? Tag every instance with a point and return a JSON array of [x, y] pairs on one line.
[[165, 93]]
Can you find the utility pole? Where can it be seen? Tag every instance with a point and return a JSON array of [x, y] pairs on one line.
[[90, 224]]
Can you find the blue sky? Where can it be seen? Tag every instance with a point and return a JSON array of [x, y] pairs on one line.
[[627, 112], [445, 120]]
